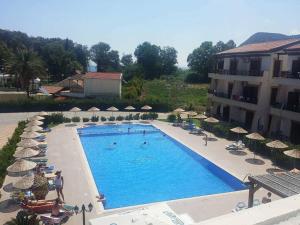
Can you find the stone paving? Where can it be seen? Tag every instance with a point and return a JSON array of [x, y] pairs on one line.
[[65, 153]]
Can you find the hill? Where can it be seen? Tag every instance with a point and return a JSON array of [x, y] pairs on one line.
[[264, 37]]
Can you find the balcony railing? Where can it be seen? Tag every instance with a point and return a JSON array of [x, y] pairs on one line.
[[282, 106], [288, 74], [240, 98], [254, 73]]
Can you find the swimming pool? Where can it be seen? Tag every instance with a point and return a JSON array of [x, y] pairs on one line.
[[132, 167]]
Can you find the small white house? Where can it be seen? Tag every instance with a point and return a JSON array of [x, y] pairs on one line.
[[102, 84]]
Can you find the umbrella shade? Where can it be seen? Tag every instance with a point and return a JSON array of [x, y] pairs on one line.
[[21, 165], [43, 113], [33, 128], [211, 120], [276, 144], [26, 153], [112, 109], [75, 109], [27, 143], [179, 110], [34, 123], [239, 130], [36, 118], [255, 136], [294, 153], [129, 108], [25, 182], [30, 134], [93, 109], [146, 107], [200, 117]]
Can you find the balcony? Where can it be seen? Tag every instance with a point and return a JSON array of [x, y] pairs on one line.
[[249, 103], [286, 78], [281, 110], [250, 76]]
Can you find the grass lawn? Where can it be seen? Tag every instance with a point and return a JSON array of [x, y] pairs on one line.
[[176, 93]]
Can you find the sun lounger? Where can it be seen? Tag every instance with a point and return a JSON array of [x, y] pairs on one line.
[[40, 161], [196, 131], [48, 219], [43, 144]]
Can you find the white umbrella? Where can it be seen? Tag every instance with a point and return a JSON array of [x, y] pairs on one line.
[[93, 110], [36, 118], [34, 123], [26, 153], [28, 143], [33, 128], [21, 165], [75, 109], [129, 108], [25, 182], [112, 109], [146, 107], [30, 134]]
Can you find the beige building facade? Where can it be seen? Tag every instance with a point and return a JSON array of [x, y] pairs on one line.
[[258, 86]]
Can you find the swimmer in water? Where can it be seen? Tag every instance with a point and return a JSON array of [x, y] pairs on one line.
[[115, 143], [145, 142]]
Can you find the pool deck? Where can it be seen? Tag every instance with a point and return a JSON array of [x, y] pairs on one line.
[[65, 153]]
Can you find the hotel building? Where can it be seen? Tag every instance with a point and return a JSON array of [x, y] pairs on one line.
[[258, 86]]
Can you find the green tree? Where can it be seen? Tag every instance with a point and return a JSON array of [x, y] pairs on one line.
[[126, 60], [148, 57], [105, 58], [26, 65], [168, 57], [5, 54], [23, 218]]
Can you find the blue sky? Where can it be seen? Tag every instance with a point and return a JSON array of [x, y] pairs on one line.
[[124, 24]]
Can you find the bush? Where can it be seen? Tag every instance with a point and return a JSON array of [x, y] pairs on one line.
[[144, 116], [54, 118], [194, 78], [153, 115], [67, 120], [103, 119], [120, 118], [75, 119], [136, 116], [24, 218], [84, 119], [129, 117], [95, 118], [111, 118], [171, 118], [6, 153]]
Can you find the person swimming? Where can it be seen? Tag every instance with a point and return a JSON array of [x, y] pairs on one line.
[[115, 143], [145, 142]]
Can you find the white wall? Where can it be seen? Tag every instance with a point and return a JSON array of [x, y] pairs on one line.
[[94, 87]]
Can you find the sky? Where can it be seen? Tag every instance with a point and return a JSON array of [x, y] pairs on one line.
[[124, 24]]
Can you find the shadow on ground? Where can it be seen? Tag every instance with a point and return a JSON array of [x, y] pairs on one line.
[[275, 170], [255, 161], [9, 188], [237, 152], [8, 206]]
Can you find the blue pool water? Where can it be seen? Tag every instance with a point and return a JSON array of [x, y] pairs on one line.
[[148, 168]]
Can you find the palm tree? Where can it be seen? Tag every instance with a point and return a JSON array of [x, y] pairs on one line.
[[26, 65]]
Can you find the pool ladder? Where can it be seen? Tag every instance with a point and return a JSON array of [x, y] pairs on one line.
[[247, 175]]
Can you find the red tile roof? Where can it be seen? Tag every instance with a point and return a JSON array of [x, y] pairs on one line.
[[294, 47], [52, 89], [261, 47], [103, 76]]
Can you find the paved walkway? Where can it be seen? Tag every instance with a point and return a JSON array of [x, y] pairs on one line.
[[66, 153]]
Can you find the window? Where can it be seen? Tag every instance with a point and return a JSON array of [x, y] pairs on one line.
[[233, 66], [220, 65], [255, 67]]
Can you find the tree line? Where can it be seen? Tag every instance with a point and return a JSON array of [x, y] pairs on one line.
[[29, 57]]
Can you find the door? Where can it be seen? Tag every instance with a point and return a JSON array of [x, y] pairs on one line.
[[293, 101], [233, 66], [277, 68], [274, 92], [255, 65], [229, 92], [249, 119], [226, 112], [296, 68]]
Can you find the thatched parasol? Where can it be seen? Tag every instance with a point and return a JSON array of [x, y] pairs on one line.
[[112, 109], [33, 128], [21, 165], [295, 154], [146, 107], [42, 113], [130, 108], [25, 182], [36, 117], [26, 153], [276, 145], [211, 120], [191, 113], [93, 110], [30, 134], [179, 110], [34, 123], [257, 137], [239, 130], [28, 143], [75, 109], [200, 117], [295, 170]]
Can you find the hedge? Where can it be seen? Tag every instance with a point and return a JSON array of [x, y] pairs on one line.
[[49, 104], [6, 153]]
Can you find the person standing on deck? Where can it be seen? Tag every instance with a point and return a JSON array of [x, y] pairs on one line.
[[59, 184]]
